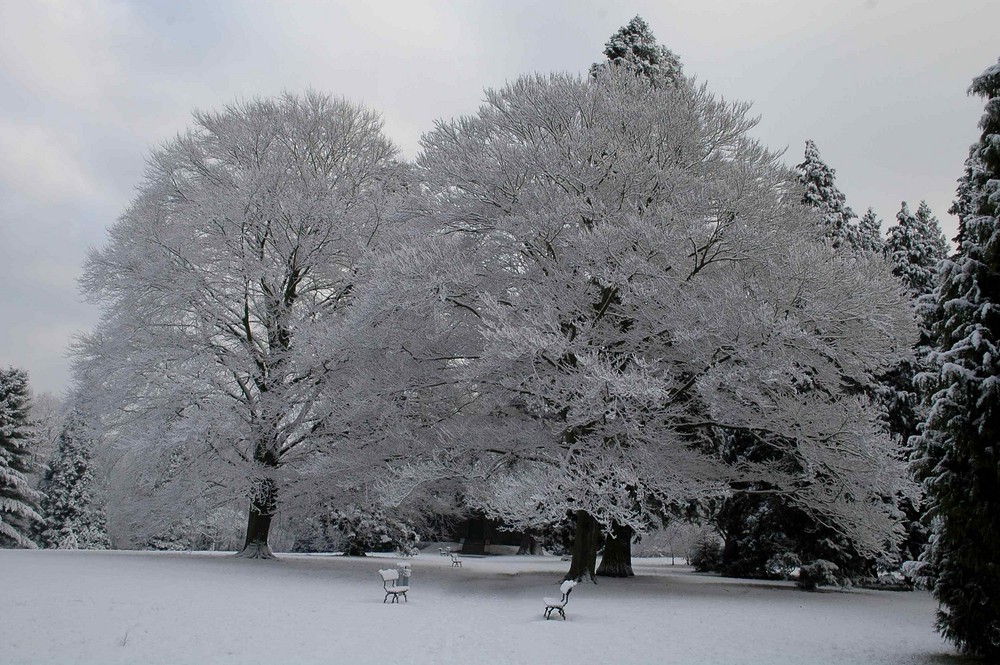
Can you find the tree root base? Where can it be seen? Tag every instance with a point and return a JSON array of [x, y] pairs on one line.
[[255, 551]]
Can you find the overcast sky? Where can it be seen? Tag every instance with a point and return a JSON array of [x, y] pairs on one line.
[[87, 87]]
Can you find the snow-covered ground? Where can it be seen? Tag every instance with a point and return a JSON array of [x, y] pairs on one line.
[[144, 607]]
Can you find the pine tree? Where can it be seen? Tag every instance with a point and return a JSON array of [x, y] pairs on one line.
[[635, 47], [868, 234], [915, 246], [18, 502], [959, 451], [821, 193], [72, 518]]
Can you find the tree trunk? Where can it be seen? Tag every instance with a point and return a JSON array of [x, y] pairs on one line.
[[528, 544], [585, 542], [617, 559], [262, 508]]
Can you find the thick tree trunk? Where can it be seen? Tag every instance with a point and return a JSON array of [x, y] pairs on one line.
[[262, 509], [528, 544], [585, 542], [617, 559]]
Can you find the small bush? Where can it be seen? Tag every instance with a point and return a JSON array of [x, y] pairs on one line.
[[818, 573], [783, 566], [706, 555]]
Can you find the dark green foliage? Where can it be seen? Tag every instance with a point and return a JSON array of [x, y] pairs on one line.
[[958, 454], [763, 532], [73, 520], [762, 529], [635, 47], [18, 502]]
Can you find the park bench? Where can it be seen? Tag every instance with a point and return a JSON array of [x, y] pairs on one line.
[[559, 604], [389, 578], [455, 561], [444, 551]]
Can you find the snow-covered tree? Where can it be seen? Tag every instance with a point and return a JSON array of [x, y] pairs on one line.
[[915, 246], [634, 47], [73, 518], [221, 288], [47, 413], [632, 281], [958, 453], [868, 235], [18, 501], [822, 194]]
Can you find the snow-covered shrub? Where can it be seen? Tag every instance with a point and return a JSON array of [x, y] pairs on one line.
[[372, 530], [918, 574], [707, 554], [819, 573], [784, 565]]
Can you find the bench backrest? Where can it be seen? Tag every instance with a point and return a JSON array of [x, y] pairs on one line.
[[566, 587], [389, 575]]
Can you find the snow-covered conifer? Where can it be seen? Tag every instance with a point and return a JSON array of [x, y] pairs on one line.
[[821, 193], [18, 501], [958, 453], [73, 518], [868, 234], [915, 246], [635, 48]]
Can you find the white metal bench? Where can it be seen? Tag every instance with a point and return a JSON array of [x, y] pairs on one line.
[[559, 604], [389, 578], [456, 562]]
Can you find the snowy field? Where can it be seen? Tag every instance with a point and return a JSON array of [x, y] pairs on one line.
[[144, 607]]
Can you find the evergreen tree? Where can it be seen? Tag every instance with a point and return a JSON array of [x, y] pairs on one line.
[[915, 246], [958, 451], [821, 193], [72, 518], [18, 502], [868, 235], [635, 47]]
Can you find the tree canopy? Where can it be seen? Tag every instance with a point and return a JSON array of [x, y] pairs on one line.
[[631, 280], [221, 288]]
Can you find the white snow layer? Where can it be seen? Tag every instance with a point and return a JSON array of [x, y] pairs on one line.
[[60, 606]]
